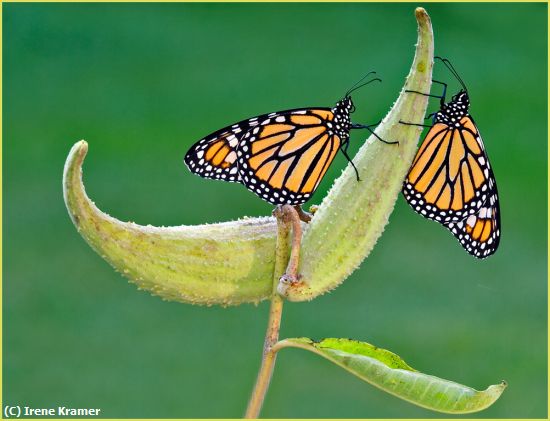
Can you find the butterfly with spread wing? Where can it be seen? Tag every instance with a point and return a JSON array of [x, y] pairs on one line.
[[281, 156], [451, 180]]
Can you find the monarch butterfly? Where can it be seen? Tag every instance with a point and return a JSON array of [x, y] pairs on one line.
[[451, 180], [281, 156]]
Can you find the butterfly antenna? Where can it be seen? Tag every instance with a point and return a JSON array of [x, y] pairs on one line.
[[358, 82], [363, 84], [451, 68]]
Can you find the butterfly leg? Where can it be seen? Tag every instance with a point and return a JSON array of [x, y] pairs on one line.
[[414, 124], [368, 127], [429, 116], [441, 97], [344, 149], [288, 215], [304, 216], [422, 93]]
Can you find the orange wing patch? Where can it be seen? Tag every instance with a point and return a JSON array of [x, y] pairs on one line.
[[305, 120], [479, 234], [325, 115], [215, 157], [297, 179], [334, 147], [278, 178], [322, 165], [213, 149], [265, 171], [437, 130], [300, 140], [467, 123], [268, 142], [430, 146], [457, 154], [472, 142], [272, 129], [221, 151]]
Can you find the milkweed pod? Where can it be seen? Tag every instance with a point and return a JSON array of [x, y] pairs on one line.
[[233, 262]]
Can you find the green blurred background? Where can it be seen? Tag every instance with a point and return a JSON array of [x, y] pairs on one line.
[[141, 83]]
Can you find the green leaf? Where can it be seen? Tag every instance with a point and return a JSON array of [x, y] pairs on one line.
[[389, 372]]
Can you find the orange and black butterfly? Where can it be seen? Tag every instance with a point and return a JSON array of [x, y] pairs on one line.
[[280, 156], [451, 180]]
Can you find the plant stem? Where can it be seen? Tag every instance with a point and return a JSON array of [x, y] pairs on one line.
[[268, 358], [286, 216]]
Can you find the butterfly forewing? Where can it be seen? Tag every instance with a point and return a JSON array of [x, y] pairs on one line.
[[449, 177], [282, 156], [451, 180], [215, 156]]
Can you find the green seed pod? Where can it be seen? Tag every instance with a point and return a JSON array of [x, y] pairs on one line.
[[233, 262]]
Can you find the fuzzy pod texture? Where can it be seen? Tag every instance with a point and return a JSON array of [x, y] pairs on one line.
[[227, 263]]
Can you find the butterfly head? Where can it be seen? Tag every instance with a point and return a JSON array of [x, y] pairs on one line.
[[345, 105], [452, 112], [462, 98]]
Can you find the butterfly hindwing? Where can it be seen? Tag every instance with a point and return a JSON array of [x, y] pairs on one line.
[[284, 157], [479, 233]]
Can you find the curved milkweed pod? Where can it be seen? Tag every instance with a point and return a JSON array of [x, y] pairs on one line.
[[226, 263], [232, 262], [353, 215]]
